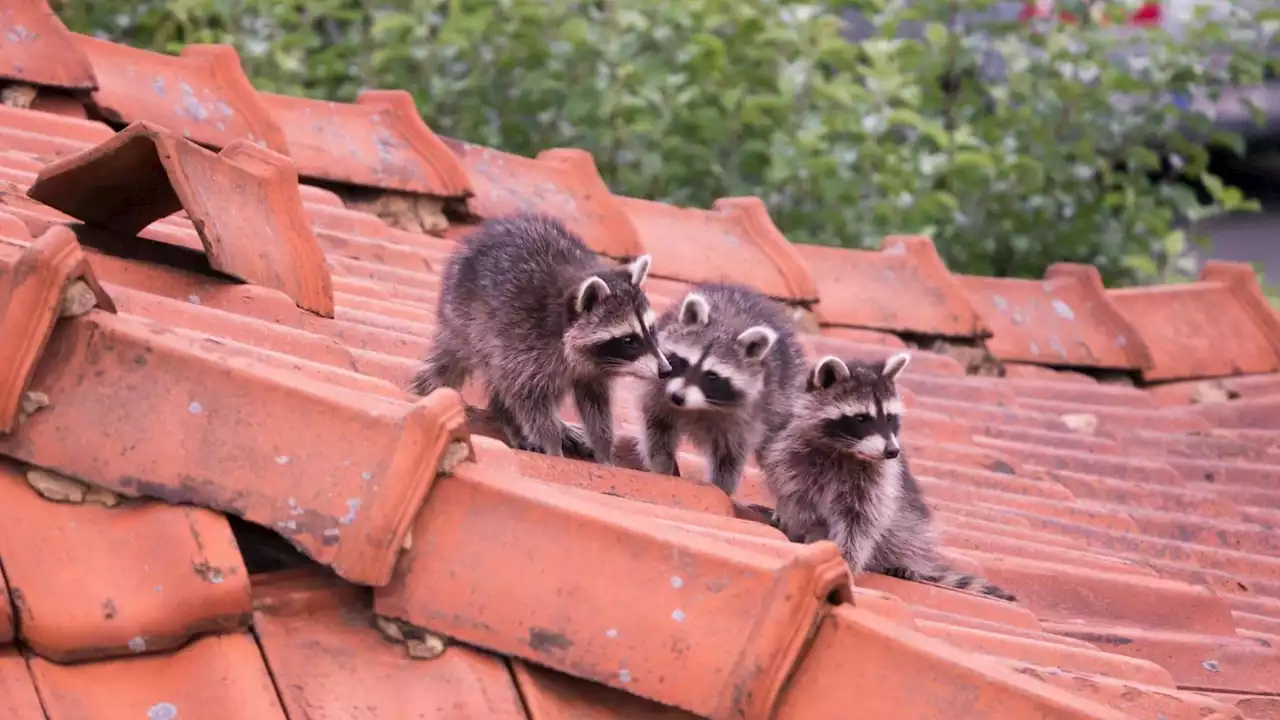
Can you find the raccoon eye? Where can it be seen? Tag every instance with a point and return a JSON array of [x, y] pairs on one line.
[[631, 340], [713, 376], [862, 418]]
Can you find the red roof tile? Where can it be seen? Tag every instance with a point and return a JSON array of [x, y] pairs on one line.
[[39, 50], [379, 141], [1135, 523], [867, 289]]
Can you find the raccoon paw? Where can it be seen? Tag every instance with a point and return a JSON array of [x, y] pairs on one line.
[[575, 444]]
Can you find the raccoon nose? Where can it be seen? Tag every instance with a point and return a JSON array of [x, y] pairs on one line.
[[664, 372], [677, 398], [891, 453]]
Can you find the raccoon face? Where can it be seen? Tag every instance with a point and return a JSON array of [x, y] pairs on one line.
[[712, 369], [855, 406], [610, 326]]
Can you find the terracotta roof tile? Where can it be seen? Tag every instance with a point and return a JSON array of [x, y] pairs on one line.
[[266, 242], [201, 94], [37, 49], [1065, 320], [379, 141], [735, 241], [563, 183], [1134, 523], [866, 289]]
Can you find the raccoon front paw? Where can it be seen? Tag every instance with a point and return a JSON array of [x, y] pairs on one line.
[[575, 444]]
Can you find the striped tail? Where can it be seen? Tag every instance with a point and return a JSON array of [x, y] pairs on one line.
[[947, 577]]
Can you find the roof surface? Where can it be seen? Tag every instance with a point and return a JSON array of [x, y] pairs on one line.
[[210, 309]]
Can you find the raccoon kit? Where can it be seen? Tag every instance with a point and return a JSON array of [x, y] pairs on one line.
[[839, 474], [735, 364], [525, 302]]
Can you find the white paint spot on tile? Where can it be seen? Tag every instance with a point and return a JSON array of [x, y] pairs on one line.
[[611, 633], [332, 533], [287, 525], [138, 644], [157, 589], [193, 299], [1211, 665], [282, 460], [678, 615], [1063, 310], [162, 711], [624, 675], [353, 505], [1001, 304], [366, 476], [676, 582], [195, 408], [1035, 349]]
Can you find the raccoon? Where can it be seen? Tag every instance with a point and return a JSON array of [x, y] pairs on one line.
[[526, 303], [839, 474], [735, 365]]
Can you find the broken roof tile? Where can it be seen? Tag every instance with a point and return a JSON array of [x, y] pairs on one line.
[[319, 640], [562, 182], [1065, 320], [675, 630], [735, 240], [103, 603], [40, 282], [265, 240], [37, 49], [379, 141], [904, 287], [336, 471], [201, 94], [1220, 325], [216, 676]]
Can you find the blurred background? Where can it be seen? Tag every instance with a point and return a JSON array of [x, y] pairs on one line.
[[1141, 137]]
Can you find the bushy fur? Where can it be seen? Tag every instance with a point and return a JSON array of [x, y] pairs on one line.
[[525, 302], [735, 366], [838, 473]]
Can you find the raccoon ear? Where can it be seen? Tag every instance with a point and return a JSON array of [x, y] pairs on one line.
[[639, 269], [756, 341], [590, 293], [694, 310], [829, 371], [895, 365]]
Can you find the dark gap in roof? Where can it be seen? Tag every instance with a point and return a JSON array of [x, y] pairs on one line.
[[372, 200], [126, 247], [971, 353], [264, 550]]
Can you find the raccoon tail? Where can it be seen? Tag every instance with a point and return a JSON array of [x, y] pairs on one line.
[[947, 577]]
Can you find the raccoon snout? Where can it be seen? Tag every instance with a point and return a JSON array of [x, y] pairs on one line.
[[677, 398], [664, 371], [891, 452]]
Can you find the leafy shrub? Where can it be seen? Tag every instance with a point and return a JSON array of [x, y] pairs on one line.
[[1014, 145]]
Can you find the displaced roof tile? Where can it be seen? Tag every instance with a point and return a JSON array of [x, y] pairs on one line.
[[1067, 319], [379, 141], [329, 661], [40, 282], [338, 472], [201, 94], [104, 601], [563, 183], [735, 240], [1220, 325], [905, 287], [216, 676], [243, 202], [37, 49], [675, 629]]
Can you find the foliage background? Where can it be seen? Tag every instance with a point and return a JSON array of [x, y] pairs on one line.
[[1014, 146]]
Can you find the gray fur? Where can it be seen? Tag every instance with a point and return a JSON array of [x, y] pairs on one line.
[[846, 480], [526, 303], [748, 338]]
